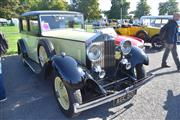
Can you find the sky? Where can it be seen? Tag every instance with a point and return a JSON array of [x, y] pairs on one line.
[[154, 4]]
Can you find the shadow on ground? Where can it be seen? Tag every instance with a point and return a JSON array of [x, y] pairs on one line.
[[172, 106], [32, 97], [151, 50], [156, 73]]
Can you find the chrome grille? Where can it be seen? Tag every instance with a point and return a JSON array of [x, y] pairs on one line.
[[107, 60]]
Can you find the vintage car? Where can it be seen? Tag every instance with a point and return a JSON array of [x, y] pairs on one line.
[[148, 34], [87, 69], [134, 41], [148, 30]]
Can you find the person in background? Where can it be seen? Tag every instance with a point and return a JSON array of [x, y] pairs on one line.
[[170, 41], [3, 48], [2, 89]]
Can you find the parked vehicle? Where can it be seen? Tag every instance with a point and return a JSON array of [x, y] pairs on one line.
[[98, 24], [134, 41], [119, 38], [3, 21], [87, 69], [149, 31]]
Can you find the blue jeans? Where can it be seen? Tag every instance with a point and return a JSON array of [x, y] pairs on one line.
[[2, 89]]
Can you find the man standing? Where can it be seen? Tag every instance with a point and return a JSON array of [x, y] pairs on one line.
[[171, 37]]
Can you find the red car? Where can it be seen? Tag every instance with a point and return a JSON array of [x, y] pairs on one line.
[[134, 40], [118, 38]]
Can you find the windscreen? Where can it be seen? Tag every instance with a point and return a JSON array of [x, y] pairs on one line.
[[52, 22]]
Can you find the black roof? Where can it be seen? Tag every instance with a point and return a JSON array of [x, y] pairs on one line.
[[49, 12]]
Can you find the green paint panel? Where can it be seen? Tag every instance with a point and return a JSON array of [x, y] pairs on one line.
[[72, 48], [73, 34]]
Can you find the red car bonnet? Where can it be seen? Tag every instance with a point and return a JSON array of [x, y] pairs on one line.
[[134, 40]]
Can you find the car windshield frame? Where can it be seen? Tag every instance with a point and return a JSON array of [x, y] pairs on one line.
[[63, 21]]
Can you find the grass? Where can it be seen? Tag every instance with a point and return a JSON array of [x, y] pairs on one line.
[[12, 35], [89, 28]]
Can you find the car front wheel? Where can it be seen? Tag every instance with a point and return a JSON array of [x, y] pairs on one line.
[[66, 97]]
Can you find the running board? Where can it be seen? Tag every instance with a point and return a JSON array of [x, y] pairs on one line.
[[35, 67]]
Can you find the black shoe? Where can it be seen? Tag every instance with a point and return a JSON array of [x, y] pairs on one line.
[[165, 66]]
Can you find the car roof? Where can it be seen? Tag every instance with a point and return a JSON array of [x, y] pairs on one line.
[[49, 12], [158, 17]]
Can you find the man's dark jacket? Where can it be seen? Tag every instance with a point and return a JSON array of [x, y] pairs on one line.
[[171, 32]]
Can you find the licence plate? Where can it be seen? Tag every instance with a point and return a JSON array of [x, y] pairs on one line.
[[124, 98]]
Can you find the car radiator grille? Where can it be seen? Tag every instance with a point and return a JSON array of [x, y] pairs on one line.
[[107, 61]]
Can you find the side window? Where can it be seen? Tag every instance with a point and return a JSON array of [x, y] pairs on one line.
[[34, 24], [164, 21], [23, 24]]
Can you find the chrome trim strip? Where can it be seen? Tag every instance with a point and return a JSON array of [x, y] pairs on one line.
[[79, 108], [29, 65]]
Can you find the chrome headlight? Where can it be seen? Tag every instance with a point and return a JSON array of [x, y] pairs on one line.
[[126, 46], [94, 52]]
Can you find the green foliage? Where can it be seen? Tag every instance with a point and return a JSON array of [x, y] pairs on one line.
[[90, 8], [8, 8], [48, 5], [115, 11], [142, 9], [13, 8], [12, 35], [168, 7]]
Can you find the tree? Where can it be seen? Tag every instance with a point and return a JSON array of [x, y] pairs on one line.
[[142, 9], [118, 9], [48, 5], [90, 8], [168, 7], [8, 8]]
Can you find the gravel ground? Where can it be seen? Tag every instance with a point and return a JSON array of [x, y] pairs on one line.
[[31, 97]]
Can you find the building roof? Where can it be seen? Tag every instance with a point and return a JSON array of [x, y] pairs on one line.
[[49, 12]]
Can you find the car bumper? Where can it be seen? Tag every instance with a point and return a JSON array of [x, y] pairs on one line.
[[79, 108]]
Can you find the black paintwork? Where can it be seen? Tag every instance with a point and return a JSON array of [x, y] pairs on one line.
[[138, 56], [67, 67]]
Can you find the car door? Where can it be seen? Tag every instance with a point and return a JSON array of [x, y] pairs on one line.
[[31, 36]]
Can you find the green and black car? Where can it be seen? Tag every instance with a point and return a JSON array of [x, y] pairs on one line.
[[87, 69]]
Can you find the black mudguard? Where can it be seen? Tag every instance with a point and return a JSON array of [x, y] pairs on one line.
[[71, 72], [138, 56], [22, 48]]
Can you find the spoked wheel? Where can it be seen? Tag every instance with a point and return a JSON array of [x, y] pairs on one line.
[[61, 93], [157, 43], [43, 57], [66, 97]]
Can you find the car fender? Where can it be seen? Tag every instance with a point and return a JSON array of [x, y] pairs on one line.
[[22, 48], [69, 69], [138, 56]]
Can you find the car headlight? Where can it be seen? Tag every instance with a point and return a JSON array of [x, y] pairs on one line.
[[126, 47], [94, 52]]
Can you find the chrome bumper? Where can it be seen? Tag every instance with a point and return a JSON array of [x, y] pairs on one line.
[[79, 108]]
